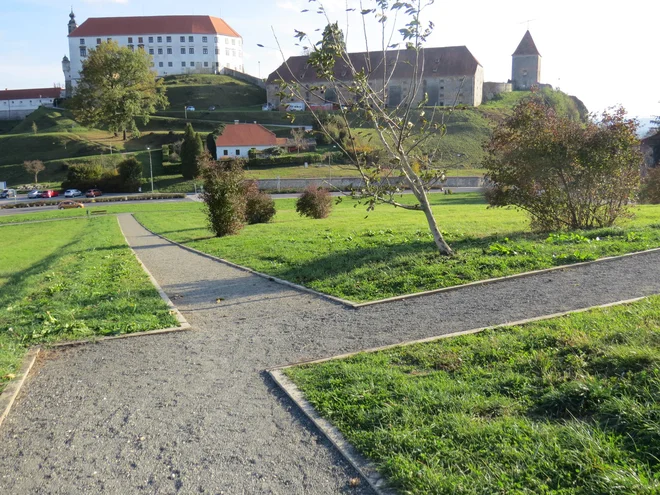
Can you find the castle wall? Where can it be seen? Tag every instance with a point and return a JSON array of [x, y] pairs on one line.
[[491, 89]]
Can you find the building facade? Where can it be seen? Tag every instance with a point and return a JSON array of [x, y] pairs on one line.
[[16, 104], [182, 44], [526, 65], [448, 75]]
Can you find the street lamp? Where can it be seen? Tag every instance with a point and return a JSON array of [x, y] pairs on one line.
[[151, 169]]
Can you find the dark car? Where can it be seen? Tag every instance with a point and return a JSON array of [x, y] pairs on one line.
[[92, 193], [49, 193]]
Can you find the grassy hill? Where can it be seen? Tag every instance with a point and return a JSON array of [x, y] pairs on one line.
[[205, 90]]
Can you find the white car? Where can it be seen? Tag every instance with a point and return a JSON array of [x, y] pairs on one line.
[[72, 193], [35, 193], [190, 108]]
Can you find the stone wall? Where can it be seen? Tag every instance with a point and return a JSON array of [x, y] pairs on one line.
[[491, 89], [345, 183], [242, 76]]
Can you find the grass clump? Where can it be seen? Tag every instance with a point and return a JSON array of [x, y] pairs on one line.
[[84, 281], [565, 406]]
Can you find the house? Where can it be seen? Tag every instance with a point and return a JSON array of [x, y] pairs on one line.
[[179, 44], [237, 140], [16, 104]]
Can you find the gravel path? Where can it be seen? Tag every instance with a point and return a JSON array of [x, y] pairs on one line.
[[194, 412]]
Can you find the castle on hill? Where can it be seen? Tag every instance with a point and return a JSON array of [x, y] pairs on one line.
[[451, 75]]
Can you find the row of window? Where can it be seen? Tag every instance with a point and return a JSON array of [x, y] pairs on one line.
[[159, 39], [191, 64], [191, 51]]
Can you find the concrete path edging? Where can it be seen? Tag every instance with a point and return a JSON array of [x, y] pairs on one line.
[[363, 465], [8, 396]]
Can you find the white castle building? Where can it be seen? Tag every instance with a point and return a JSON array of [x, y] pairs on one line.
[[179, 44]]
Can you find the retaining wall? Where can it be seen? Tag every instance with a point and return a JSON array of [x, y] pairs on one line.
[[344, 183]]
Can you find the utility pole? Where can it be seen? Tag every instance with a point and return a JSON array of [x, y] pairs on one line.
[[151, 170]]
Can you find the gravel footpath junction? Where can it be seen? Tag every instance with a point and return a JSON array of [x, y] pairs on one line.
[[194, 412]]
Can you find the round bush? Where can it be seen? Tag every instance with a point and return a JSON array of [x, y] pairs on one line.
[[259, 206], [315, 202]]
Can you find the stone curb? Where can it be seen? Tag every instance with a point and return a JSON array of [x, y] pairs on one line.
[[14, 386], [364, 466], [251, 271], [403, 297]]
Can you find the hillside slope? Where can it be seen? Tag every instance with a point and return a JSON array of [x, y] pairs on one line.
[[205, 90]]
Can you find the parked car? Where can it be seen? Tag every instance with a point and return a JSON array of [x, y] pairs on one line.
[[35, 193], [190, 108], [8, 193], [295, 106], [49, 193], [72, 193], [212, 107], [92, 193], [65, 205]]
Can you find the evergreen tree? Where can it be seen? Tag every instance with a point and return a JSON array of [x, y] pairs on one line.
[[211, 138], [191, 150]]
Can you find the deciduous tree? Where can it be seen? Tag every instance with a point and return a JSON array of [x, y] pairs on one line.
[[566, 174], [117, 86], [34, 167]]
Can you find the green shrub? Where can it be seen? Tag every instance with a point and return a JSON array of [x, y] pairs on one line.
[[315, 202], [650, 190], [259, 206], [223, 196], [297, 159], [130, 171]]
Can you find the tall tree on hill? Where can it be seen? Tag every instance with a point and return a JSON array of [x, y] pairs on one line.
[[211, 138], [400, 154], [192, 150], [117, 86], [34, 167]]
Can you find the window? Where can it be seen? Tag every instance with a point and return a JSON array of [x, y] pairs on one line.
[[109, 40], [151, 39], [205, 51], [140, 47], [169, 64], [240, 53], [182, 39], [206, 64], [140, 39], [160, 64], [238, 152], [169, 39], [215, 40], [217, 51], [217, 64], [192, 64], [151, 51], [183, 64], [152, 64], [130, 39], [225, 152], [226, 51], [233, 53], [82, 41], [83, 51], [159, 39], [191, 39], [226, 41], [205, 39], [233, 41], [191, 51], [169, 50], [131, 47], [183, 50], [160, 51], [98, 41]]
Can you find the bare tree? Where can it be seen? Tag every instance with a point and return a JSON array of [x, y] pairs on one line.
[[299, 139], [359, 86], [34, 167]]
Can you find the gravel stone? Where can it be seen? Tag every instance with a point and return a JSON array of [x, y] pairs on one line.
[[194, 412]]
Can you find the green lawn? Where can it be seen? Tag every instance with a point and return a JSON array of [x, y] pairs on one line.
[[70, 280], [566, 406], [367, 256], [204, 90]]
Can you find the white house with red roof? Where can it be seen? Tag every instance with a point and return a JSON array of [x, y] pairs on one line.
[[16, 104], [237, 140], [179, 44]]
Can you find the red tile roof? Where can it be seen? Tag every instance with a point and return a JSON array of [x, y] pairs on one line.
[[246, 135], [527, 46], [438, 62], [162, 24], [26, 94]]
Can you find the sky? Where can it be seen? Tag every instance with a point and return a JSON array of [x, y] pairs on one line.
[[604, 55]]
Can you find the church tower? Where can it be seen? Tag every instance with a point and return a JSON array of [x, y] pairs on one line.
[[526, 66], [72, 22]]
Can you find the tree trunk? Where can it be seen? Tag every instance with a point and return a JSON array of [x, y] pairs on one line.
[[439, 240], [124, 135], [35, 178]]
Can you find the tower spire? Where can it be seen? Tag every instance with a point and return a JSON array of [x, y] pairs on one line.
[[72, 21]]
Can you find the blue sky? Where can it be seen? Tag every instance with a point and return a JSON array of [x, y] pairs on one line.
[[603, 55]]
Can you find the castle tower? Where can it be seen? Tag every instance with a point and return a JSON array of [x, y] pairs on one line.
[[72, 22], [66, 68], [526, 66]]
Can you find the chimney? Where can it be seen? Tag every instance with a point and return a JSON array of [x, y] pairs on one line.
[[235, 122]]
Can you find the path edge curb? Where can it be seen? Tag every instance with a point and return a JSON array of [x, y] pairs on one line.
[[365, 467], [362, 465], [355, 305], [8, 396], [272, 278]]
